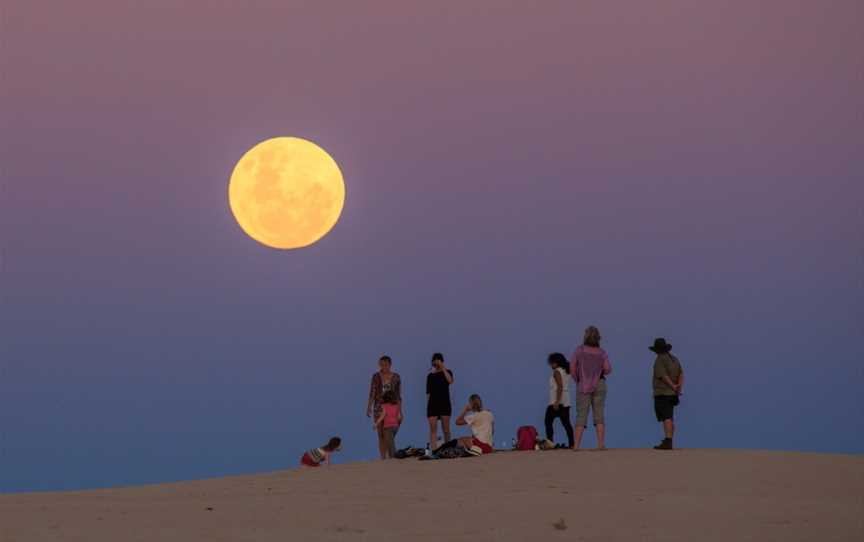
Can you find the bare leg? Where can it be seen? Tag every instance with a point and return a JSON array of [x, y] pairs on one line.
[[577, 436], [601, 436], [445, 425], [390, 440], [466, 442], [433, 433], [669, 428]]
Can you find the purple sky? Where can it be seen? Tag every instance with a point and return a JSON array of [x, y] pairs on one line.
[[514, 172]]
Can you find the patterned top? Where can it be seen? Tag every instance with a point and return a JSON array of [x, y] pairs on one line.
[[377, 389]]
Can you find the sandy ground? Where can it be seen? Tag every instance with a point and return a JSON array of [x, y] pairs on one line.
[[693, 495]]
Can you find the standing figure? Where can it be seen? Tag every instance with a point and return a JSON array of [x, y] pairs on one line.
[[388, 422], [667, 381], [438, 406], [590, 366], [383, 380], [559, 397]]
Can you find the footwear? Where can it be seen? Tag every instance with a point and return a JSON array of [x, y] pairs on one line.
[[665, 445]]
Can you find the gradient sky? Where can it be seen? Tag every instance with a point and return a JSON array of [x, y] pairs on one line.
[[515, 171]]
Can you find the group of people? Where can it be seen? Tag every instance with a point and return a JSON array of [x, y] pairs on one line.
[[588, 367], [385, 408]]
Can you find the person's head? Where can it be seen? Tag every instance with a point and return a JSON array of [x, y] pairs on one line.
[[389, 398], [660, 346], [437, 359], [557, 360], [384, 363], [592, 336], [476, 403], [333, 445]]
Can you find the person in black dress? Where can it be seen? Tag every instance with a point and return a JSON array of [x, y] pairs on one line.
[[438, 405]]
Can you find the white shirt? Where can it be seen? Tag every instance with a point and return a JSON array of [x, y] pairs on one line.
[[482, 424], [565, 388]]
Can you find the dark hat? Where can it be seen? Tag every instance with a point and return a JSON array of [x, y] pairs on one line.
[[660, 346]]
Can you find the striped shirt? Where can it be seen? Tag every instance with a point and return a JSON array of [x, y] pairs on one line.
[[317, 455]]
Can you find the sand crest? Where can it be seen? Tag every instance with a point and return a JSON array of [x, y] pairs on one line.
[[693, 495]]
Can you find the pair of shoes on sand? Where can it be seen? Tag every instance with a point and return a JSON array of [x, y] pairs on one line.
[[665, 445]]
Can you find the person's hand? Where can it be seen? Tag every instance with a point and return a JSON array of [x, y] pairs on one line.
[[368, 412], [555, 406]]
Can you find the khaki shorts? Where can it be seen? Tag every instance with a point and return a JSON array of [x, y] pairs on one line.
[[595, 401]]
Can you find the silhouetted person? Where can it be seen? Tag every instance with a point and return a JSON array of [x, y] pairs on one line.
[[668, 380], [559, 397], [383, 381], [589, 367], [438, 406]]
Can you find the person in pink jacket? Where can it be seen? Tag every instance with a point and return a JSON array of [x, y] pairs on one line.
[[589, 367]]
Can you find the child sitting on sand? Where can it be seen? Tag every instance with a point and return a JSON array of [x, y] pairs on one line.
[[316, 456], [389, 422]]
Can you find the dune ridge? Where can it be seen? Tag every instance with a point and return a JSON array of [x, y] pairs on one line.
[[726, 495]]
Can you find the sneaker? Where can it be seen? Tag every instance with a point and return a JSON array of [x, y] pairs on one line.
[[665, 445]]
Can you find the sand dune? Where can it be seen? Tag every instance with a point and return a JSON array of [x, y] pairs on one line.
[[691, 495]]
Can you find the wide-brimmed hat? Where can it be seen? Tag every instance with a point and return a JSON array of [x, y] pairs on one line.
[[660, 346]]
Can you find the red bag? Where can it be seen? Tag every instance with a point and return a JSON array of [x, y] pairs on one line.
[[526, 437]]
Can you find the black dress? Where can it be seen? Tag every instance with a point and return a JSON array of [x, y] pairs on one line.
[[438, 390]]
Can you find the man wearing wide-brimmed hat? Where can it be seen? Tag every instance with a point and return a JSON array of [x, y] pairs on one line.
[[668, 380]]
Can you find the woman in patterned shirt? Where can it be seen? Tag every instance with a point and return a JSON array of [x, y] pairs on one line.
[[383, 380]]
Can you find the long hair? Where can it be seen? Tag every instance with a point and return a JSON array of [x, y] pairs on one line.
[[476, 403], [332, 445], [592, 337], [557, 359]]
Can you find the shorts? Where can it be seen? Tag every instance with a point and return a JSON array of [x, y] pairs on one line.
[[439, 407], [307, 461], [482, 445], [594, 401], [664, 407]]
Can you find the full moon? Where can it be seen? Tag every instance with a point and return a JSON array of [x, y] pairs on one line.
[[286, 192]]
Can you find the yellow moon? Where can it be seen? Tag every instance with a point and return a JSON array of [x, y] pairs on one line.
[[286, 192]]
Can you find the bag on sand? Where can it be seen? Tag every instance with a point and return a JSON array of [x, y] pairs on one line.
[[410, 451], [526, 438], [451, 453]]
